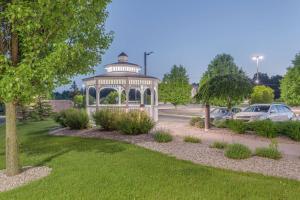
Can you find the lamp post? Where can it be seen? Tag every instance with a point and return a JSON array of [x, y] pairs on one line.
[[257, 59], [145, 61]]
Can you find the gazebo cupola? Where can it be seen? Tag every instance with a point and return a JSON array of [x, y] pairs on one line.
[[122, 66]]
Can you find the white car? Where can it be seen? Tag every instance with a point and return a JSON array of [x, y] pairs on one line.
[[274, 112]]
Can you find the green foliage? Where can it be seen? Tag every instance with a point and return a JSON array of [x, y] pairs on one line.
[[78, 101], [290, 129], [223, 83], [270, 152], [41, 109], [265, 128], [163, 136], [236, 126], [135, 122], [290, 84], [220, 123], [177, 74], [113, 98], [76, 119], [175, 87], [237, 151], [108, 119], [218, 145], [197, 122], [262, 94], [60, 118], [192, 139], [56, 41]]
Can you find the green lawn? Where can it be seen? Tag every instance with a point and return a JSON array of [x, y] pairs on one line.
[[104, 169]]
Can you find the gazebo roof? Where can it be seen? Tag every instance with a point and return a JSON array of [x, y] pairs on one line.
[[120, 76]]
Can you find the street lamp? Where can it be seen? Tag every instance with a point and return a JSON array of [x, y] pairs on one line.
[[145, 61], [257, 59]]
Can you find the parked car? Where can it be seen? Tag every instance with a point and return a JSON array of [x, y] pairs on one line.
[[274, 112], [223, 113]]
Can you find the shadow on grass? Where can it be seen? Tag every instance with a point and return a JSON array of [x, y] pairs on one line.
[[39, 144]]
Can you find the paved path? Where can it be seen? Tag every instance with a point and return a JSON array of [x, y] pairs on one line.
[[179, 126]]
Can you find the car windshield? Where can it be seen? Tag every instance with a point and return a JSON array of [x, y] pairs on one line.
[[258, 108], [219, 111]]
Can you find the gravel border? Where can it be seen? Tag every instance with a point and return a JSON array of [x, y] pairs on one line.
[[28, 175], [286, 167]]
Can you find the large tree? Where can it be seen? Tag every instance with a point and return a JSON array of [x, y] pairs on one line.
[[175, 87], [223, 83], [290, 84], [42, 45]]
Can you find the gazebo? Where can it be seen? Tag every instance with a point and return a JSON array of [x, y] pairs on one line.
[[122, 87]]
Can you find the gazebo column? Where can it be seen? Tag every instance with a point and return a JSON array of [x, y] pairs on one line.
[[97, 95], [142, 95], [120, 95], [152, 101], [127, 95]]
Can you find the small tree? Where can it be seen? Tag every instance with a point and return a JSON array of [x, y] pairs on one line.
[[41, 109], [175, 87], [42, 45], [222, 83], [290, 84], [262, 94], [78, 101]]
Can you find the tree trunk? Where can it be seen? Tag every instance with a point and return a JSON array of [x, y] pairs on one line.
[[207, 117], [12, 159]]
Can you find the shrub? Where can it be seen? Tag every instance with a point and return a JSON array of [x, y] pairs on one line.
[[269, 152], [220, 123], [192, 139], [262, 94], [237, 126], [135, 122], [108, 120], [265, 128], [290, 129], [218, 145], [197, 122], [60, 118], [163, 136], [237, 151], [76, 119]]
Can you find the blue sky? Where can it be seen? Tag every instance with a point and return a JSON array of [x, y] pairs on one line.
[[192, 32]]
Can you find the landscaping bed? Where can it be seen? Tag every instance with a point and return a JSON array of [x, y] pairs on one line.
[[84, 168]]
